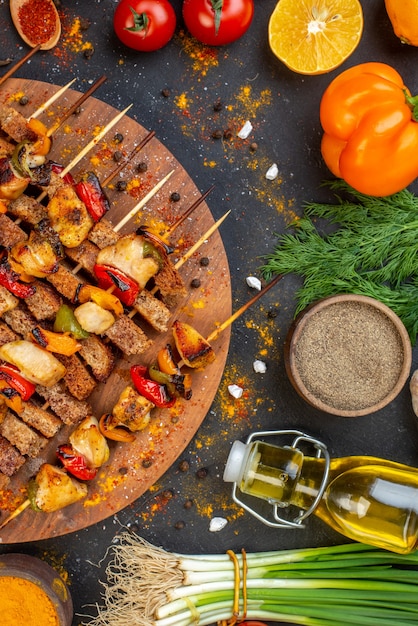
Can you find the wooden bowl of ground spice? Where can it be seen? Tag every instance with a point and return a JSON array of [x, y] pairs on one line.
[[348, 355], [32, 593]]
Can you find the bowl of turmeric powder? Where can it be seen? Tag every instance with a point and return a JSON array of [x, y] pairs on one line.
[[32, 593], [348, 355]]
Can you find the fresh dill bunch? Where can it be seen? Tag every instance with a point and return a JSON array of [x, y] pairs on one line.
[[370, 248]]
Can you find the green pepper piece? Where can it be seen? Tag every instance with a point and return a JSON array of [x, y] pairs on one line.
[[151, 251], [66, 322], [32, 488]]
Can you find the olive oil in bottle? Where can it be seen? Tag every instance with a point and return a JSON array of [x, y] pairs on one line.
[[367, 499]]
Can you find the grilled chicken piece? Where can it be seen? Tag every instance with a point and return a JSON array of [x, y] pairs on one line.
[[27, 209], [128, 337], [26, 440], [8, 301], [15, 125], [36, 255], [42, 420], [10, 233], [88, 441], [37, 365], [128, 255], [54, 489], [10, 458], [70, 410], [69, 216], [131, 410]]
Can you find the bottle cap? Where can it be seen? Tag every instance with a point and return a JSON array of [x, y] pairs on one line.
[[236, 462]]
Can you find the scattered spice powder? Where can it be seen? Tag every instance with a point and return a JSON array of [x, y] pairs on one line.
[[349, 355], [37, 20]]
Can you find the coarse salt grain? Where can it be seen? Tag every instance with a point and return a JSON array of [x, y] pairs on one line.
[[272, 172], [259, 367], [245, 130], [216, 524], [235, 391], [253, 282]]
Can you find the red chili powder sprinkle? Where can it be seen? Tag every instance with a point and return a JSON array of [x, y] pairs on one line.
[[37, 19]]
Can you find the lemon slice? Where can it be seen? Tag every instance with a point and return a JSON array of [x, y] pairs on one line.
[[315, 36]]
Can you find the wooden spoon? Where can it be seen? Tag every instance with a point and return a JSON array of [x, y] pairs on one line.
[[48, 37]]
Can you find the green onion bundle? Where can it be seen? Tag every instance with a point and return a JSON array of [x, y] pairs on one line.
[[329, 586]]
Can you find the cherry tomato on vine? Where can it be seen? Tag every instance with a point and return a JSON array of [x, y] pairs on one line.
[[144, 25], [217, 22]]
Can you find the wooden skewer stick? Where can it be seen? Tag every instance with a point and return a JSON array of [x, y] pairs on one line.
[[189, 211], [19, 64], [200, 241], [215, 334], [15, 513], [123, 163], [52, 99], [76, 104], [142, 202]]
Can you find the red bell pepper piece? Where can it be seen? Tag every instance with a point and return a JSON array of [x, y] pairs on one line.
[[57, 168], [150, 389], [124, 287], [75, 463], [10, 279], [91, 193], [16, 381]]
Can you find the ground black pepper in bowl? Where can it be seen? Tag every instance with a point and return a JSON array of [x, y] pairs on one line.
[[348, 355]]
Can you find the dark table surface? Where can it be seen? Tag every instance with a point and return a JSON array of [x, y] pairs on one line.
[[283, 107]]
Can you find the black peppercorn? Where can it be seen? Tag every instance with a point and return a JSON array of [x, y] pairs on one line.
[[142, 167], [202, 472], [165, 93], [179, 525], [123, 470], [204, 261], [227, 134], [121, 185], [167, 494], [253, 146], [88, 52], [184, 466], [175, 196], [217, 134], [218, 106], [188, 504], [118, 138], [23, 100], [195, 283], [147, 463], [117, 156]]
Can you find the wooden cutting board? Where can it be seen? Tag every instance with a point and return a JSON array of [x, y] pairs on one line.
[[135, 467]]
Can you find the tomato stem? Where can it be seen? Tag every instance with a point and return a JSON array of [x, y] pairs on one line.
[[141, 21], [217, 6]]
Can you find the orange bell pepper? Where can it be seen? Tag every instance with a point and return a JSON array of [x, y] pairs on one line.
[[43, 144], [370, 129]]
